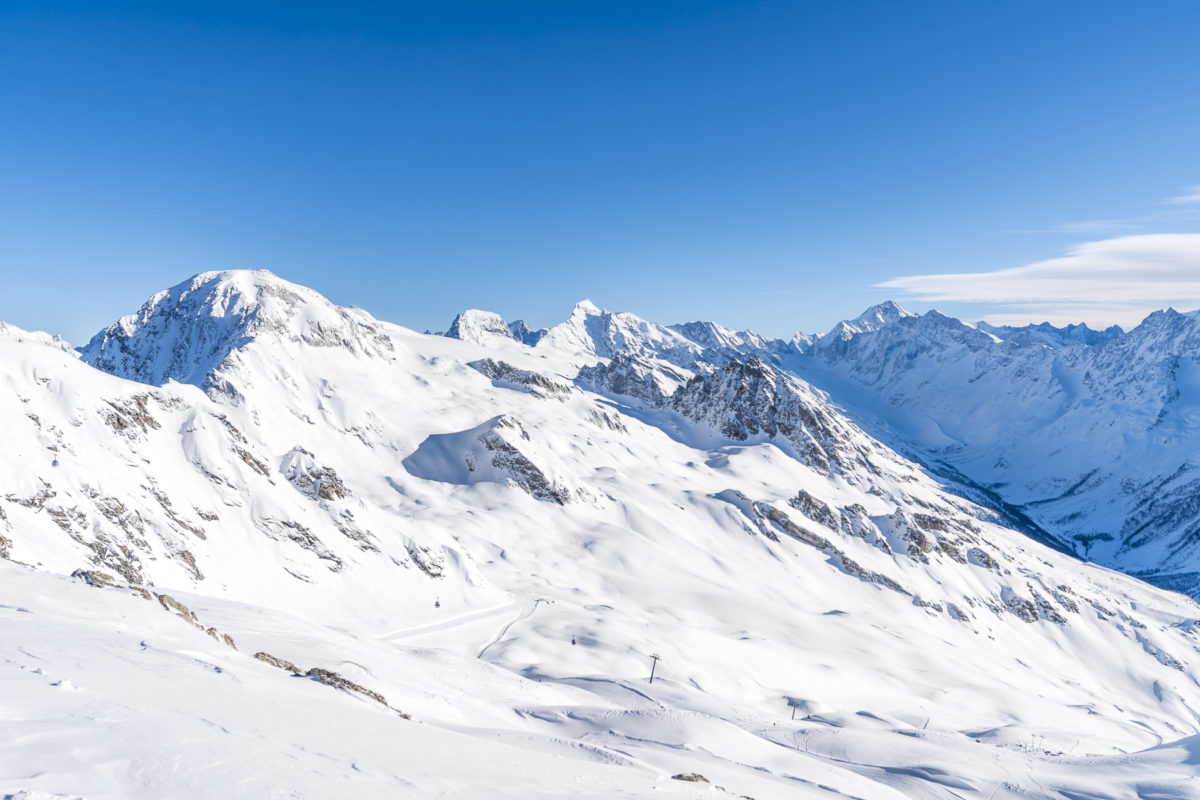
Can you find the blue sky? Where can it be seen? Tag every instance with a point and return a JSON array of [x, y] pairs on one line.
[[761, 164]]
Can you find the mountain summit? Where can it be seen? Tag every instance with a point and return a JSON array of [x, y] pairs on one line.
[[187, 332]]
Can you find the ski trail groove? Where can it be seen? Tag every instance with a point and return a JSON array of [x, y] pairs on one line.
[[500, 635]]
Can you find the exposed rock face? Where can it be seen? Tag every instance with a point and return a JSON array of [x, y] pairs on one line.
[[692, 777], [814, 509], [745, 400], [279, 663], [92, 578], [1023, 608], [310, 478], [431, 563], [523, 472], [131, 416], [784, 523], [303, 537], [331, 678], [510, 377], [525, 334], [641, 378]]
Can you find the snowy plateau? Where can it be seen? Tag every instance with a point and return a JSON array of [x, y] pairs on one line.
[[253, 544]]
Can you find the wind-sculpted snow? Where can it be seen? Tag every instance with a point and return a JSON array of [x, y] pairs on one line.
[[383, 521], [486, 453]]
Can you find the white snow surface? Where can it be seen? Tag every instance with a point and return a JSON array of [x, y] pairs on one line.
[[497, 551]]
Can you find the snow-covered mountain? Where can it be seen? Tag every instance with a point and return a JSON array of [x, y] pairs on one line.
[[492, 537], [1091, 435]]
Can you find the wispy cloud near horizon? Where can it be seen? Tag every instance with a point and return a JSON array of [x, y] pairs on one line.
[[1118, 280], [1190, 196], [1178, 208]]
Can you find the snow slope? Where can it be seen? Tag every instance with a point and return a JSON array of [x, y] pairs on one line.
[[496, 537]]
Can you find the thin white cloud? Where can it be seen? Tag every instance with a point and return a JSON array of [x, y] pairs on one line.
[[1117, 280], [1184, 206], [1094, 226], [1190, 196]]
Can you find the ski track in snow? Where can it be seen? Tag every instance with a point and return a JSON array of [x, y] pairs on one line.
[[524, 615], [451, 622]]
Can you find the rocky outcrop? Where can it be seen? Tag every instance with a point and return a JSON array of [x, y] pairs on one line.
[[131, 415], [641, 378], [278, 663], [328, 678], [302, 536], [507, 376], [524, 473], [743, 400], [311, 479], [691, 777]]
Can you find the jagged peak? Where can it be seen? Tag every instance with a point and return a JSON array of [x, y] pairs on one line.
[[586, 308], [592, 331], [483, 327], [884, 313], [874, 318], [477, 326], [186, 332]]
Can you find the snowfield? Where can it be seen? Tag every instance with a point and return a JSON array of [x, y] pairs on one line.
[[319, 555]]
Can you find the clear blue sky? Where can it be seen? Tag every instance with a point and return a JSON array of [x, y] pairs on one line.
[[760, 164]]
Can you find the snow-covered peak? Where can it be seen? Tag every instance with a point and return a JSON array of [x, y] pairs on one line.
[[186, 332], [8, 330], [873, 319], [715, 337], [484, 327], [587, 308], [591, 331], [478, 326], [877, 316]]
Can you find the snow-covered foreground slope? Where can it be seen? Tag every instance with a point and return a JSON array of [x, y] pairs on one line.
[[109, 694], [496, 538]]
